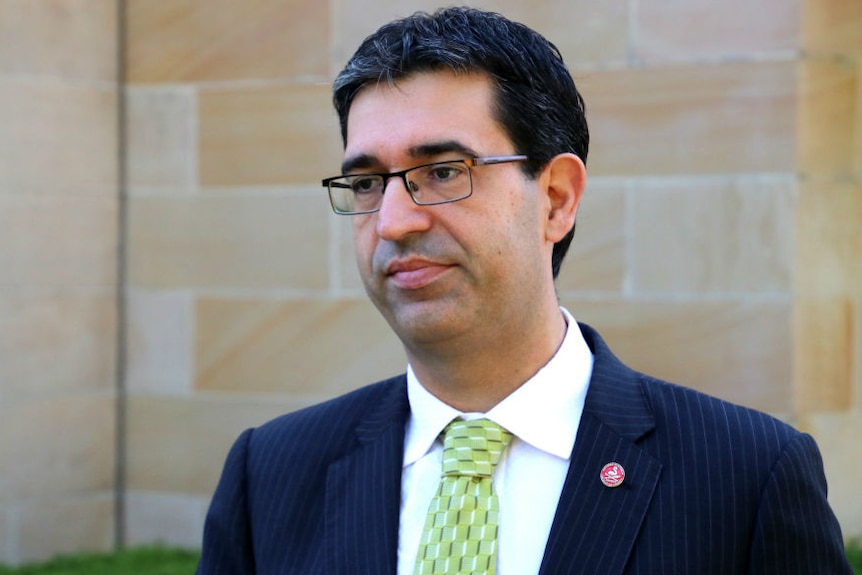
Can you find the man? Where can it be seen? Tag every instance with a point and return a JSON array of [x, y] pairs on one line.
[[465, 141]]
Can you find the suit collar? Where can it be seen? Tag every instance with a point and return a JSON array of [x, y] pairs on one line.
[[615, 395], [595, 527], [391, 409]]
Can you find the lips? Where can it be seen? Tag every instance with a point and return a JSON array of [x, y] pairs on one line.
[[414, 273]]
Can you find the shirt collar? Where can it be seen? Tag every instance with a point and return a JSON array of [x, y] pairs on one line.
[[544, 412]]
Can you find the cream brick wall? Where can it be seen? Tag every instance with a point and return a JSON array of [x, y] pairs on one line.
[[698, 235], [828, 273], [718, 242], [58, 279]]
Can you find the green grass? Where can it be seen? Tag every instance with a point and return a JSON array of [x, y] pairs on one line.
[[854, 553], [143, 561]]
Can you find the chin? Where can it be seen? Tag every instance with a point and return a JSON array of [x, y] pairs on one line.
[[422, 325]]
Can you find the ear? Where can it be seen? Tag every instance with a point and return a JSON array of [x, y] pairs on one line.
[[564, 177]]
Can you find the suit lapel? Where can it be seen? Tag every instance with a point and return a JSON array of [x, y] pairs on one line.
[[595, 527], [364, 491]]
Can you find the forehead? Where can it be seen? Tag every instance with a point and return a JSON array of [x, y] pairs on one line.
[[387, 120]]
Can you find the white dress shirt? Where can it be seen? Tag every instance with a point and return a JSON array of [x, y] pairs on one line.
[[543, 415]]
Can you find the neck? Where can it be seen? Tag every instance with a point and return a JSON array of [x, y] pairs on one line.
[[476, 376]]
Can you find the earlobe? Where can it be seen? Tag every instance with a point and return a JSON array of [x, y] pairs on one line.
[[566, 177]]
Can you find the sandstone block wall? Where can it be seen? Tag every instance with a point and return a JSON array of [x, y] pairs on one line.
[[718, 242]]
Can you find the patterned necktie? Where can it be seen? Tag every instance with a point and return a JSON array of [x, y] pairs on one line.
[[460, 535]]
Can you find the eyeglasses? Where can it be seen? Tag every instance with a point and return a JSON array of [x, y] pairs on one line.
[[428, 184]]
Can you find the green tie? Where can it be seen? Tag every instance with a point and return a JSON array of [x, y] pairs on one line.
[[460, 535]]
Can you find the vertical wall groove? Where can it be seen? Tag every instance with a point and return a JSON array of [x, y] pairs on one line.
[[122, 253]]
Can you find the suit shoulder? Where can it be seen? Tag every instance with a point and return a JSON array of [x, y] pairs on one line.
[[714, 419], [342, 412], [634, 402], [311, 438]]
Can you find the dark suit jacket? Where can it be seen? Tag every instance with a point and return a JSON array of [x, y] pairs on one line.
[[710, 488]]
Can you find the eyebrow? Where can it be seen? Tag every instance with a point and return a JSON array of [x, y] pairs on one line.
[[427, 150]]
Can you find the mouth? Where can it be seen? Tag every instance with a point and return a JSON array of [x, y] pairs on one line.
[[414, 273]]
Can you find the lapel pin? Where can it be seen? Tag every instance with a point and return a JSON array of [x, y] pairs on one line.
[[612, 475]]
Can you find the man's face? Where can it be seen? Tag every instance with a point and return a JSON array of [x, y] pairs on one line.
[[451, 273]]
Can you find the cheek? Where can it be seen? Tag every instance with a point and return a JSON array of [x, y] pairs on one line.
[[522, 239], [363, 241], [522, 220]]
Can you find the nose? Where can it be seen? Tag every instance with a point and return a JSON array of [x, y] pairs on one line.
[[399, 216]]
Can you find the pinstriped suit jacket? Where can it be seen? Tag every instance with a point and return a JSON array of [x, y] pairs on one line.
[[710, 488]]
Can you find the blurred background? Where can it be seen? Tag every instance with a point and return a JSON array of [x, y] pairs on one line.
[[171, 273]]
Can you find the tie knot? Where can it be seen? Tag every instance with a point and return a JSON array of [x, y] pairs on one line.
[[473, 447]]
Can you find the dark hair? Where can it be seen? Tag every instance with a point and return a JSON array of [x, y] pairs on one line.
[[536, 101]]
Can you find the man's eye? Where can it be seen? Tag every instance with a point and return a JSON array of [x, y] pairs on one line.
[[445, 173], [364, 185]]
